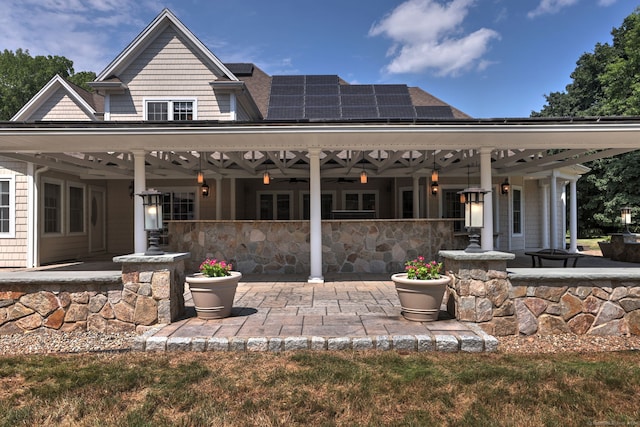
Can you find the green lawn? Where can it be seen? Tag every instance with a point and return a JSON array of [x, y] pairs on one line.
[[321, 389]]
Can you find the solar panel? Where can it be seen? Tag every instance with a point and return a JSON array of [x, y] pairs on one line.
[[402, 100], [240, 69], [352, 112], [434, 112], [361, 100], [397, 112], [285, 113], [286, 101], [391, 89], [321, 89], [330, 79], [356, 89], [322, 101], [287, 80], [322, 112], [287, 90]]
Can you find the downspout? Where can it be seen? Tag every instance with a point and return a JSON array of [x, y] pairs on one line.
[[33, 239]]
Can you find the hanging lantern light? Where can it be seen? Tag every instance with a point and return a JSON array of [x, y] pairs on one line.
[[363, 175]]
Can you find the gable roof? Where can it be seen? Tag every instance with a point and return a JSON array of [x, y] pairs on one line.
[[137, 46], [89, 102]]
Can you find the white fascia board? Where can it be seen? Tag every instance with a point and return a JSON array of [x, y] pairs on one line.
[[165, 17], [49, 89]]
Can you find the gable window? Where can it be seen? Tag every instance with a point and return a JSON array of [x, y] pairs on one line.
[[7, 207], [170, 110], [52, 207], [76, 208]]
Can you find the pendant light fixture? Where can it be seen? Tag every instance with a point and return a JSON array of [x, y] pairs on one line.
[[363, 175], [266, 178], [200, 175], [434, 177]]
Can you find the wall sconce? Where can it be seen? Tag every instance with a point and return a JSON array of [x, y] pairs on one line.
[[434, 188], [363, 175], [473, 215], [625, 214], [204, 189], [152, 202], [505, 186]]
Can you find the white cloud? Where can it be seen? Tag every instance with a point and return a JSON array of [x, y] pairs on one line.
[[551, 6], [429, 35], [605, 3], [79, 30]]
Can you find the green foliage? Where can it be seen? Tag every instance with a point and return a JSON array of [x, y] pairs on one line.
[[22, 76], [605, 82]]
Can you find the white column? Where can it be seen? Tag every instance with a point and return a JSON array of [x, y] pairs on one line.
[[315, 218], [32, 217], [544, 211], [139, 185], [573, 219], [486, 184], [416, 196], [553, 216], [219, 198]]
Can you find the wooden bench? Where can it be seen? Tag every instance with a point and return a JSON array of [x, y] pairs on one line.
[[553, 254]]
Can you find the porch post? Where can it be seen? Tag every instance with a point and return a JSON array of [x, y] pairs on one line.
[[544, 206], [485, 183], [416, 197], [315, 218], [553, 217], [232, 199], [573, 219], [219, 198], [139, 185]]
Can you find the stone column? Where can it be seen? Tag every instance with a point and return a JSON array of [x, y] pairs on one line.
[[479, 290], [153, 288]]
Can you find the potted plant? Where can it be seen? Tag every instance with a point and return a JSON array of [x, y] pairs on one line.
[[421, 289], [213, 289]]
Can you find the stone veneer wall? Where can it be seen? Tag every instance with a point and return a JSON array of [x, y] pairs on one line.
[[367, 246], [141, 296], [542, 301]]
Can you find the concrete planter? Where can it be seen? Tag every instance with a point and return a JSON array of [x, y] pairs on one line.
[[605, 248], [213, 296], [420, 299]]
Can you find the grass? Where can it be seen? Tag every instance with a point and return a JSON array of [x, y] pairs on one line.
[[320, 389]]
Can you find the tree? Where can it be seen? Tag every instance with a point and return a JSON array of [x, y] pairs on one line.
[[605, 83], [22, 76]]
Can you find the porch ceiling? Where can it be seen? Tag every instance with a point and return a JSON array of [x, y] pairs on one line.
[[519, 147]]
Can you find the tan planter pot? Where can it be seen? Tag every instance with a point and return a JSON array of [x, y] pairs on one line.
[[420, 299], [213, 296]]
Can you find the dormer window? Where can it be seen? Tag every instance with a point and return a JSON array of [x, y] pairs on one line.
[[170, 109]]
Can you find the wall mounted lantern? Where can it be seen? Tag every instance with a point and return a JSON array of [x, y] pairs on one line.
[[505, 186], [204, 189], [473, 215], [152, 202], [625, 214], [434, 177], [434, 188]]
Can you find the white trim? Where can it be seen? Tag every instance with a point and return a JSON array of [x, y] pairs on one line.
[[233, 114], [107, 107], [11, 179], [302, 193], [83, 187], [170, 101], [376, 193], [515, 188]]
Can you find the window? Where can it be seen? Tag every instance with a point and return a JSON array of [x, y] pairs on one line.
[[516, 206], [326, 205], [452, 208], [177, 206], [272, 206], [76, 209], [7, 207], [360, 201], [167, 110], [52, 207]]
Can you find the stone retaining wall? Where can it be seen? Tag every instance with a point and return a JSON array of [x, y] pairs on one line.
[[542, 301], [282, 247], [141, 296]]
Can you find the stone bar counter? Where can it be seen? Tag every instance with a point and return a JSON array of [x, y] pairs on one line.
[[282, 247]]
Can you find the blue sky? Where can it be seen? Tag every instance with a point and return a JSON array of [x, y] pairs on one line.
[[489, 58]]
